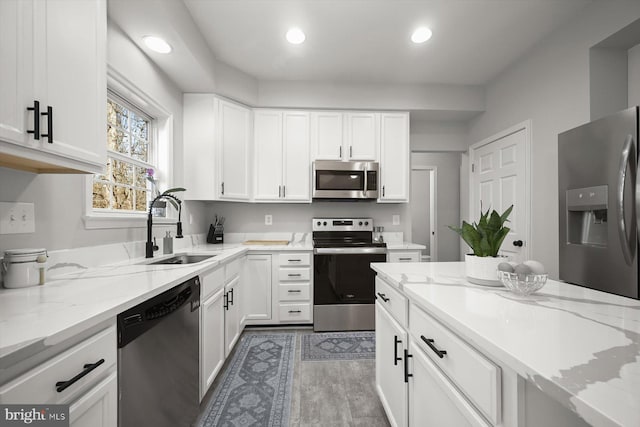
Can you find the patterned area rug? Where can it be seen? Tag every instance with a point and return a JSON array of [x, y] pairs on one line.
[[339, 346], [256, 387]]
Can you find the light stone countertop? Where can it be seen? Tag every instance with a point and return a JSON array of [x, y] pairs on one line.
[[580, 346], [405, 246]]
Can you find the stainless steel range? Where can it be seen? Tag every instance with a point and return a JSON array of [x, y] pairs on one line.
[[343, 282]]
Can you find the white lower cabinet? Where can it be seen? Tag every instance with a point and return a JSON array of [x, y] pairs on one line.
[[98, 407], [232, 314], [257, 281], [403, 256], [433, 400], [212, 339], [391, 346]]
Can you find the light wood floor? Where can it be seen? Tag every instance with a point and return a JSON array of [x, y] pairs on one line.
[[337, 393]]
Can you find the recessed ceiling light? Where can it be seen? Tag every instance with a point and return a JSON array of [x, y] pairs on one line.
[[295, 36], [421, 35], [157, 44]]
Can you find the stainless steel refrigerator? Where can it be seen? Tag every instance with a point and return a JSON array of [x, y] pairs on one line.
[[597, 180]]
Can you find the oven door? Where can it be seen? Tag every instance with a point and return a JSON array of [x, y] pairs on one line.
[[344, 275]]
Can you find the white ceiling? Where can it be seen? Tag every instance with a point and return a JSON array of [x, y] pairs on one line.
[[368, 40]]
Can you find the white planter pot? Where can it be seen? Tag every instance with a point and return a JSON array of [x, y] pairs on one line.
[[483, 270]]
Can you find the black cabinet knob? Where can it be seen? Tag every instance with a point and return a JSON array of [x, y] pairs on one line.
[[518, 243]]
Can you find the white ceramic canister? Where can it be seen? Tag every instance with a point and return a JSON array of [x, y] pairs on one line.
[[20, 267]]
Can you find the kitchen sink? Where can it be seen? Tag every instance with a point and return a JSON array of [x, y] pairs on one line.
[[183, 259]]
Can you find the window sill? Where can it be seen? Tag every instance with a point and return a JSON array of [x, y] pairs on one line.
[[97, 221]]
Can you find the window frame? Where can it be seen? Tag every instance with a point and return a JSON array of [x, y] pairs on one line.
[[161, 152]]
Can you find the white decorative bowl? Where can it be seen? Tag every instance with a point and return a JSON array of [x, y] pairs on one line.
[[522, 284]]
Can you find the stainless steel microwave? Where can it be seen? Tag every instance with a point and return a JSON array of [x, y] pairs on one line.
[[345, 180]]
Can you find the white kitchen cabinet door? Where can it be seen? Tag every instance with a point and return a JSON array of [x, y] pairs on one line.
[[98, 407], [327, 135], [362, 136], [433, 400], [296, 179], [212, 349], [394, 158], [16, 78], [234, 131], [268, 155], [199, 146], [391, 343], [256, 277], [70, 42], [232, 314]]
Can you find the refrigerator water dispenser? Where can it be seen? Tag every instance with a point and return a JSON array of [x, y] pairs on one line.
[[587, 216]]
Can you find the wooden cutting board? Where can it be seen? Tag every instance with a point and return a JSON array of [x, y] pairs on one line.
[[266, 242]]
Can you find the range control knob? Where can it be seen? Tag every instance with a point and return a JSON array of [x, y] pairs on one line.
[[318, 223], [366, 223], [324, 223], [360, 223]]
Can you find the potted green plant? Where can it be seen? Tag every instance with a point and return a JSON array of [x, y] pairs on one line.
[[485, 238]]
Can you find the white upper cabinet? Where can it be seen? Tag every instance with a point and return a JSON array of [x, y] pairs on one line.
[[282, 164], [394, 158], [362, 136], [233, 144], [54, 61], [199, 147], [327, 135]]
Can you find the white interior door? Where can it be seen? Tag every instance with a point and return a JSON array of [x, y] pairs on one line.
[[499, 179], [423, 210]]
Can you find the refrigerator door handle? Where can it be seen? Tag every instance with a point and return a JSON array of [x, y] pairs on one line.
[[628, 158]]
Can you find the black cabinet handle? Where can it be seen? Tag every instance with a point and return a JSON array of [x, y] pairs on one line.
[[383, 191], [295, 311], [36, 119], [294, 260], [294, 275], [429, 342], [404, 259], [279, 191], [294, 290], [284, 191], [63, 385], [340, 155], [49, 134], [231, 300], [406, 366], [350, 151], [384, 297], [518, 243], [396, 341], [223, 188], [226, 301]]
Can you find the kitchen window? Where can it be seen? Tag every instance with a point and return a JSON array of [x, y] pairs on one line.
[[139, 142], [125, 186]]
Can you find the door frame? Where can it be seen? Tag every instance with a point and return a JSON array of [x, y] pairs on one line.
[[433, 218], [526, 127]]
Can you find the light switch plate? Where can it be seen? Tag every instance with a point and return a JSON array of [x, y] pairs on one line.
[[16, 218], [268, 220], [396, 219]]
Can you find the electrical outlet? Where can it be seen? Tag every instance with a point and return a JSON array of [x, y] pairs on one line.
[[268, 220], [396, 219], [16, 218]]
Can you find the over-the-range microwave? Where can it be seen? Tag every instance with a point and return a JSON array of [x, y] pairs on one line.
[[345, 180]]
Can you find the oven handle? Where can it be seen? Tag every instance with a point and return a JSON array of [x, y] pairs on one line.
[[349, 251]]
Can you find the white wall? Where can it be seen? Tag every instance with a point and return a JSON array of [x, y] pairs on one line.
[[438, 136], [59, 199], [249, 218], [447, 200], [634, 76], [550, 86]]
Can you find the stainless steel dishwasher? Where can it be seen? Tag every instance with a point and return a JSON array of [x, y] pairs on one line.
[[158, 368]]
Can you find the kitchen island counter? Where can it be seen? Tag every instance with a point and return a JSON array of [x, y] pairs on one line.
[[577, 345]]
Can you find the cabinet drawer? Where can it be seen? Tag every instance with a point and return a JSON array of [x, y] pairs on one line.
[[211, 281], [39, 384], [403, 256], [300, 312], [294, 291], [232, 269], [476, 376], [294, 274], [294, 259], [392, 300]]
